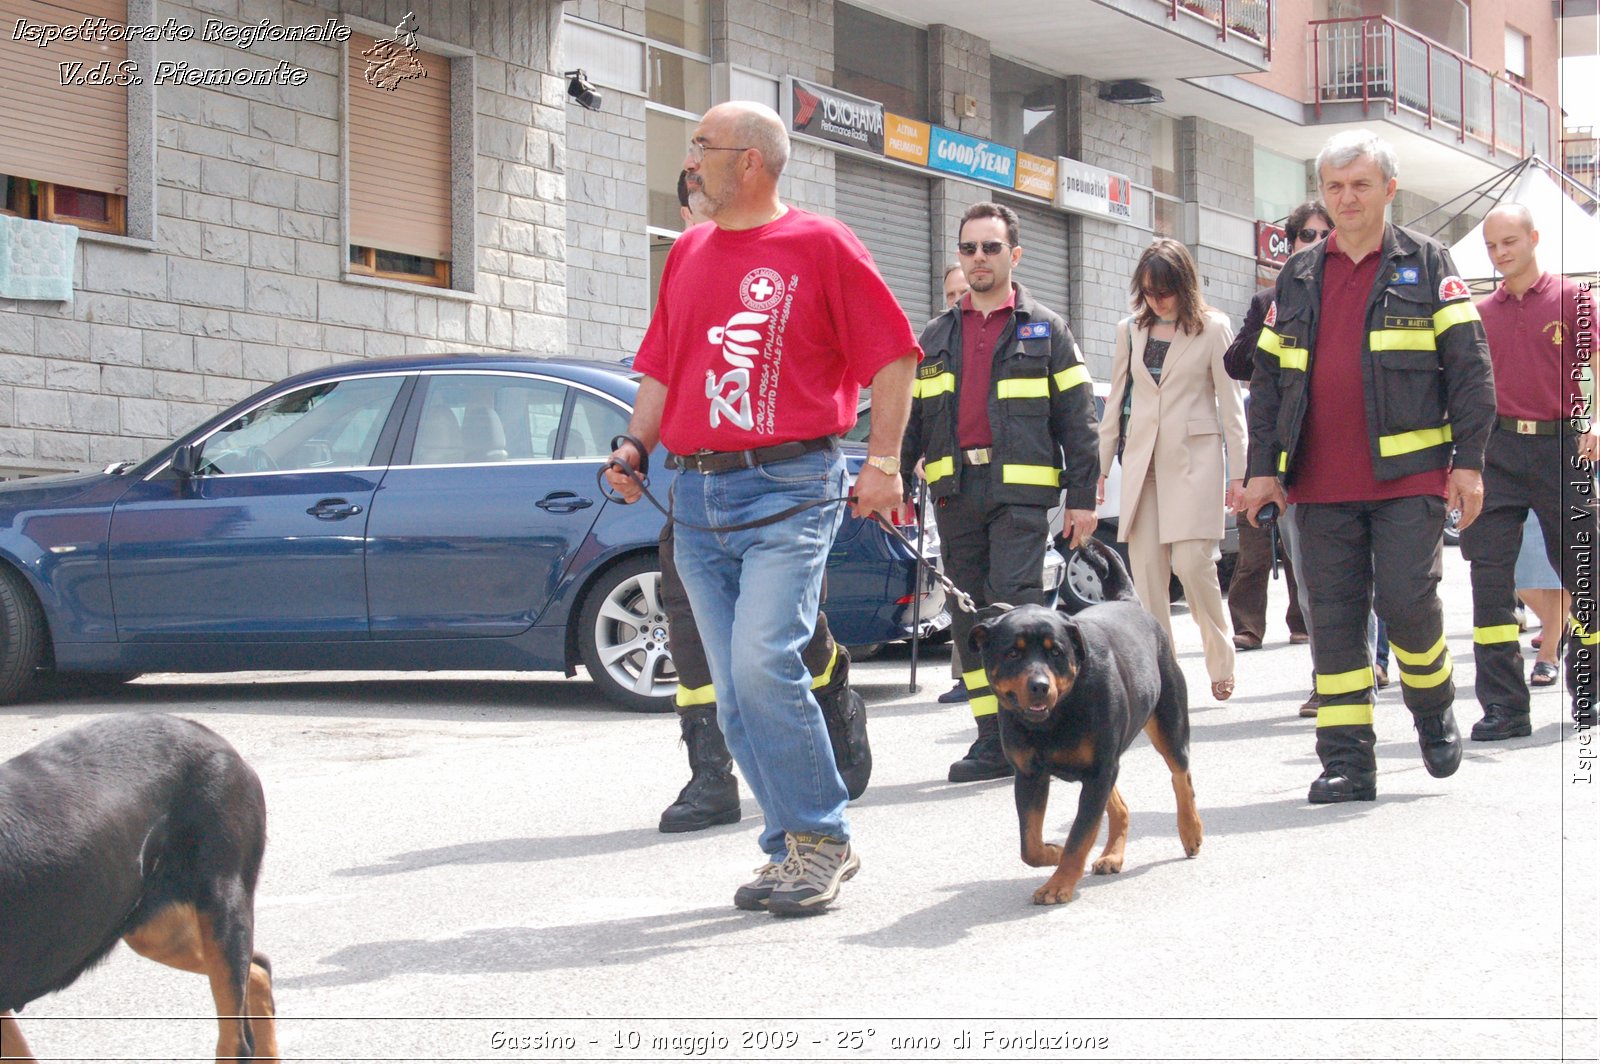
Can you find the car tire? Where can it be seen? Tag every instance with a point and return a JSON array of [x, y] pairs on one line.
[[1452, 534], [623, 637], [1080, 588], [22, 635]]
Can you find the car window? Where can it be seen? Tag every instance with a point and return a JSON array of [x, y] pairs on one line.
[[335, 424], [595, 423], [488, 417]]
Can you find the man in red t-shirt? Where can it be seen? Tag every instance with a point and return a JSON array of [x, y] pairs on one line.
[[1541, 457], [768, 323], [1372, 398]]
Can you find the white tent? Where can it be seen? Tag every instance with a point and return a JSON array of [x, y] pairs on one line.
[[1569, 239]]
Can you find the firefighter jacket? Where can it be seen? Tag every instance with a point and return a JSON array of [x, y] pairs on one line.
[[1424, 364], [1041, 411]]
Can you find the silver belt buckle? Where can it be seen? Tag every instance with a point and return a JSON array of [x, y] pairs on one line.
[[977, 456]]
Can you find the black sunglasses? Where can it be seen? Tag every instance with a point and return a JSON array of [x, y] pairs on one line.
[[1311, 236], [990, 247]]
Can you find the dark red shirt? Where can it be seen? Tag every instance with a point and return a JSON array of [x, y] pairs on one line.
[[1334, 463], [1533, 343], [980, 333]]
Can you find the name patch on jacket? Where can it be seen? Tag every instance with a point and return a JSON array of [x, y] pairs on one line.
[[1404, 275], [1390, 321], [930, 369], [1034, 330]]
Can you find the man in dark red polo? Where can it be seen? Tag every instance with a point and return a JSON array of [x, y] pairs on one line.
[[1372, 400], [1541, 457]]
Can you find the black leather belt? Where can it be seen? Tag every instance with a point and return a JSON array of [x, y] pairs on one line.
[[724, 461], [1525, 427]]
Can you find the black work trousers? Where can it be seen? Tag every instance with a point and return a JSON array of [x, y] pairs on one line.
[[995, 553], [1542, 474], [1247, 591], [828, 662], [1384, 556]]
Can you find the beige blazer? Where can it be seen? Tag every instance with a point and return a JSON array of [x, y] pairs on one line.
[[1178, 428]]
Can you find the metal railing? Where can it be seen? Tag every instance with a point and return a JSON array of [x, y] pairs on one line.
[[1376, 60], [1242, 18], [1580, 155]]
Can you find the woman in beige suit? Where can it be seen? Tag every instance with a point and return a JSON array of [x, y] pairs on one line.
[[1185, 410]]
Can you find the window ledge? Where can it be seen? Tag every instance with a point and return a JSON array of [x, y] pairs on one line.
[[410, 288], [91, 236]]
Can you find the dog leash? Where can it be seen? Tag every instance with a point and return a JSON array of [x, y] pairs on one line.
[[641, 477]]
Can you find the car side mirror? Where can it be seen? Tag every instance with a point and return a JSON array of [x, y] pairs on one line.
[[186, 460]]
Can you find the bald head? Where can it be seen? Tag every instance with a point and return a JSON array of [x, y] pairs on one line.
[[757, 126], [1515, 213], [1511, 241]]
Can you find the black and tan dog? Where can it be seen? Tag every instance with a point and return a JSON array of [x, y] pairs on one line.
[[1074, 692], [142, 827]]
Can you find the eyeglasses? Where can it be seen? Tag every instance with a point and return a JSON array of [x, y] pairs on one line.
[[697, 151], [1154, 296], [1311, 236], [990, 247]]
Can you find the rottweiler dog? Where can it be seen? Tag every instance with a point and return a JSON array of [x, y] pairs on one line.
[[1073, 693], [142, 827]]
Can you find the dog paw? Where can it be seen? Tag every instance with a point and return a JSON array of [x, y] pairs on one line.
[[1192, 849], [1052, 895], [1047, 856], [1108, 866]]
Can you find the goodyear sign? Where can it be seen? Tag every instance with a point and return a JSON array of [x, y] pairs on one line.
[[964, 156]]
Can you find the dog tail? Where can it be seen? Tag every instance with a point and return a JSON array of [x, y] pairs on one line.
[[1116, 582]]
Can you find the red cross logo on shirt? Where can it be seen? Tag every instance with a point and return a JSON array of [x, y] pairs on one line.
[[761, 290]]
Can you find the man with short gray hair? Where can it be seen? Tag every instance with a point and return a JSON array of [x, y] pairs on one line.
[[1371, 403]]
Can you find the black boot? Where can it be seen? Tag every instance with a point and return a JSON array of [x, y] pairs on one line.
[[985, 760], [845, 714], [712, 794], [1439, 741]]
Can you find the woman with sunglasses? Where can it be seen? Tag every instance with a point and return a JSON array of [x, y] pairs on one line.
[[1180, 411]]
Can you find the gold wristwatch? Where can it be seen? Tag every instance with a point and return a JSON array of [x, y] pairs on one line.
[[888, 465]]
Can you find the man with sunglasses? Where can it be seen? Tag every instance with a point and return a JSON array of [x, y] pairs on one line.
[[768, 323], [1003, 419]]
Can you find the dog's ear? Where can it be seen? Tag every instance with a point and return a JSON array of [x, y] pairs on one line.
[[1075, 634], [980, 631]]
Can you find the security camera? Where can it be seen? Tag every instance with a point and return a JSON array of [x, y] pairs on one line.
[[582, 90]]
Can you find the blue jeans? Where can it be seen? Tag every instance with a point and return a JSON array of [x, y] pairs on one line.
[[755, 596]]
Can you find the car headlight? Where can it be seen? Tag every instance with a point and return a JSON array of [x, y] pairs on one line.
[[1055, 569]]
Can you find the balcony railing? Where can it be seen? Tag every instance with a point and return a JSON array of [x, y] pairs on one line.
[[1251, 19], [1378, 61], [1580, 155]]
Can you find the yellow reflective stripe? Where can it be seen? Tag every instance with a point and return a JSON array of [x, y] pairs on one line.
[[1343, 716], [939, 468], [1426, 679], [928, 387], [1583, 635], [1344, 683], [1419, 440], [1023, 388], [975, 678], [985, 705], [1494, 633], [1288, 356], [1411, 657], [1283, 461], [1400, 340], [825, 677], [1454, 314], [1071, 377], [688, 697], [1042, 475]]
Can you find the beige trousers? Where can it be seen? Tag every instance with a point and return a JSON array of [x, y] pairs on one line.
[[1154, 563]]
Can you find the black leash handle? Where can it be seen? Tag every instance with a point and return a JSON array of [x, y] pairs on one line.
[[1267, 517]]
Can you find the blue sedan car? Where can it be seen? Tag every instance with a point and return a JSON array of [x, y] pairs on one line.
[[420, 513]]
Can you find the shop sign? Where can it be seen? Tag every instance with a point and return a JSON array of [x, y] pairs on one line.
[[1085, 189], [1272, 244], [957, 153], [905, 138], [828, 114], [1036, 176]]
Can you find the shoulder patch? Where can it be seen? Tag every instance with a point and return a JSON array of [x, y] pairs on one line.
[[1272, 315], [1452, 288], [1404, 275], [1034, 330]]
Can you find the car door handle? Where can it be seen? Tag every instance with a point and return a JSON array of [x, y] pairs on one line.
[[564, 502], [334, 510]]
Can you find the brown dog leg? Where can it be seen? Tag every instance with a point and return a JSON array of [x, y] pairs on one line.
[[12, 1045], [1092, 802], [1110, 859], [1190, 831]]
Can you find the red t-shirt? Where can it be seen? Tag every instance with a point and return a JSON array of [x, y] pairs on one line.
[[1533, 343], [766, 335], [980, 333], [1335, 455]]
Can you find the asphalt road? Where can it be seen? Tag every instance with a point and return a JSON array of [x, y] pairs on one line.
[[467, 868]]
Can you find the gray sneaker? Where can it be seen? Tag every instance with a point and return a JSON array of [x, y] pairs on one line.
[[810, 876], [754, 894]]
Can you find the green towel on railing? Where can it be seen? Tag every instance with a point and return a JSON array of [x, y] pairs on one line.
[[36, 259]]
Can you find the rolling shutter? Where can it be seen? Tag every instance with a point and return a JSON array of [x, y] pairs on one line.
[[1043, 269], [890, 211], [70, 134]]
